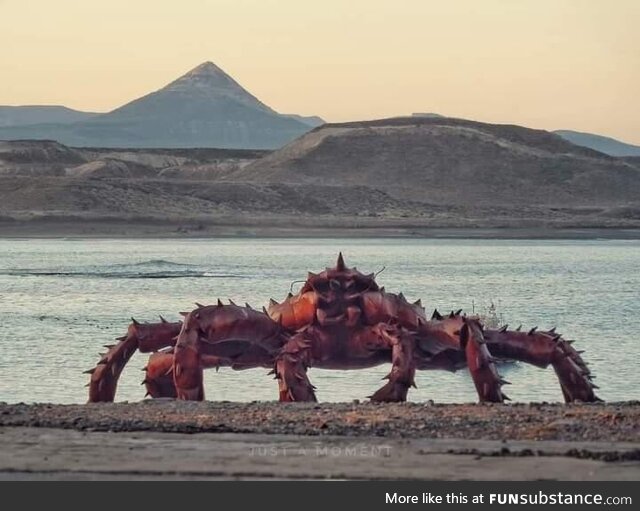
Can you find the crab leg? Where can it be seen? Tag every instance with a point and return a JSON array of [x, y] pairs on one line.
[[403, 368], [291, 370], [187, 367], [159, 379], [543, 349], [104, 376], [481, 364], [240, 336], [145, 337]]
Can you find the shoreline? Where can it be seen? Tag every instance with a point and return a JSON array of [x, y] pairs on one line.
[[125, 230]]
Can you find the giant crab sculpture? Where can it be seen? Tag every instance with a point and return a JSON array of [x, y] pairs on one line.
[[340, 319]]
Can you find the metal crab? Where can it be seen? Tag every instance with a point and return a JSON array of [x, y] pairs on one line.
[[340, 319]]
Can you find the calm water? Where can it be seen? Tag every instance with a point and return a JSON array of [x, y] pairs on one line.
[[61, 300]]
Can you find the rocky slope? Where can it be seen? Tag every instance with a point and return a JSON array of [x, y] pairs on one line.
[[452, 161], [22, 158]]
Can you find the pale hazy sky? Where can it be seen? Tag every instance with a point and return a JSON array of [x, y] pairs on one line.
[[542, 63]]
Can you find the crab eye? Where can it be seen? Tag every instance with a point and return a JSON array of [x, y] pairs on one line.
[[334, 284]]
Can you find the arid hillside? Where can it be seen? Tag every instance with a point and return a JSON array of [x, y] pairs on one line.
[[22, 158], [452, 161]]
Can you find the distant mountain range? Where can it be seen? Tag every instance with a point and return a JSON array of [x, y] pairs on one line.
[[40, 114], [203, 108], [605, 145]]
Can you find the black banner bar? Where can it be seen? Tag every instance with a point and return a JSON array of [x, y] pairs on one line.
[[324, 495]]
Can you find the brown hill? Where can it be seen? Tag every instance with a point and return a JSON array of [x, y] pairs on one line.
[[452, 161]]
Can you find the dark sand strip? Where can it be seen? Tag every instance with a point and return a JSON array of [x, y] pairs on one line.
[[610, 422], [43, 453]]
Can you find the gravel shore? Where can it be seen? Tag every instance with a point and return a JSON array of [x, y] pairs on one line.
[[619, 422]]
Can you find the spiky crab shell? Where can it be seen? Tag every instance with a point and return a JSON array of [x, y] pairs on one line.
[[343, 294], [296, 311], [325, 294], [382, 307], [349, 280]]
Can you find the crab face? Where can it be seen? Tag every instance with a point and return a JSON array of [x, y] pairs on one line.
[[339, 290], [327, 297]]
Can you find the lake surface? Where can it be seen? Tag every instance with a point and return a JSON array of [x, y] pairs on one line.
[[61, 300]]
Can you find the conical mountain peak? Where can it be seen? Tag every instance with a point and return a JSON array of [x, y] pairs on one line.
[[204, 107], [206, 74], [206, 69], [209, 81]]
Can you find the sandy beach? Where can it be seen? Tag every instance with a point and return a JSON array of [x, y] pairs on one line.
[[165, 439]]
